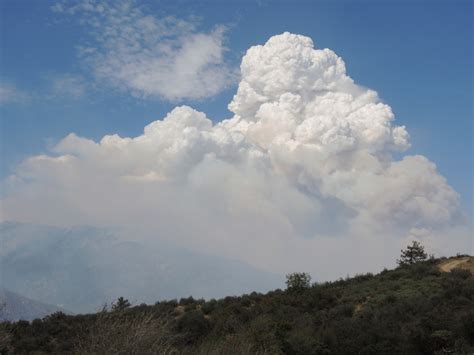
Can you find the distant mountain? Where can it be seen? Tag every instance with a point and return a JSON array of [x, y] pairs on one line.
[[81, 268], [14, 307]]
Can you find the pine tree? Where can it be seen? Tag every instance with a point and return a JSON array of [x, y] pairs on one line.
[[120, 304], [412, 254]]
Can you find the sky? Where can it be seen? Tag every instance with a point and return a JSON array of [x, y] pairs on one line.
[[194, 119]]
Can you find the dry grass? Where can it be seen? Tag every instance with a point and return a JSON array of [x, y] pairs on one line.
[[5, 338], [109, 334], [148, 334]]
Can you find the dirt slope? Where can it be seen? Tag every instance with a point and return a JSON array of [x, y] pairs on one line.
[[464, 262]]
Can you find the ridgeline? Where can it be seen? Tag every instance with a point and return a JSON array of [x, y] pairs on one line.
[[426, 307]]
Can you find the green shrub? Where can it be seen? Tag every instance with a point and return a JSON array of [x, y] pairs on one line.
[[194, 325]]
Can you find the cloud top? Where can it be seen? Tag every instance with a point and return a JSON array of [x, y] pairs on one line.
[[288, 87]]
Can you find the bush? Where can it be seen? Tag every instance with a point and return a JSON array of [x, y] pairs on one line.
[[298, 281], [460, 273], [194, 325], [208, 307], [186, 301]]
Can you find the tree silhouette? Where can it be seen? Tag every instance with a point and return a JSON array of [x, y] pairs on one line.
[[412, 254], [120, 304]]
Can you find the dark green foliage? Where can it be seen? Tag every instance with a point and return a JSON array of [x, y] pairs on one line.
[[186, 301], [298, 281], [209, 306], [412, 254], [193, 325], [414, 309], [120, 304]]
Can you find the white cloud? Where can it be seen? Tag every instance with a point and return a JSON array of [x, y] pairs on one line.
[[150, 57], [9, 93], [68, 85], [302, 177]]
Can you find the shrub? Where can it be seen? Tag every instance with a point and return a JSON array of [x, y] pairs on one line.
[[298, 281], [194, 325]]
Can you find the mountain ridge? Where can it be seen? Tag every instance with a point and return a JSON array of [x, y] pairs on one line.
[[14, 307], [82, 268]]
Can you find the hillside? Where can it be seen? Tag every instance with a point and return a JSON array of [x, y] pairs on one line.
[[411, 309], [14, 307]]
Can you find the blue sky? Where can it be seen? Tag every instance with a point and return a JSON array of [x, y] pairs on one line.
[[416, 54]]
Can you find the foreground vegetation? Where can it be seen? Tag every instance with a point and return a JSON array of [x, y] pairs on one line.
[[412, 309]]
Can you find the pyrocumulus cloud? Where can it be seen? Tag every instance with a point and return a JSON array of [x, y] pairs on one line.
[[302, 177]]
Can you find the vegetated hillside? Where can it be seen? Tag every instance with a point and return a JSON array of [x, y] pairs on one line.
[[15, 307], [411, 309]]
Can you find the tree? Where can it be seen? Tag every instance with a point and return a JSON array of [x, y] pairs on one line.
[[120, 304], [412, 254], [298, 281]]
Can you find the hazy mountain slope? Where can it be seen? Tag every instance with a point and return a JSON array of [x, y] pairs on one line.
[[81, 268], [14, 307]]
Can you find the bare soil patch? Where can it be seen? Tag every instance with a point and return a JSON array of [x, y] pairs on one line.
[[464, 262]]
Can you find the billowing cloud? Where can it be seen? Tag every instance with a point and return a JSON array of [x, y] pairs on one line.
[[150, 57], [302, 177]]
